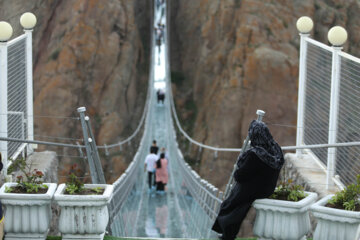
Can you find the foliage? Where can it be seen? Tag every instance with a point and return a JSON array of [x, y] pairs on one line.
[[98, 189], [30, 182], [348, 198], [73, 184], [288, 191], [16, 164]]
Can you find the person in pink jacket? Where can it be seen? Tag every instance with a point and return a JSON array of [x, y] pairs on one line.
[[161, 173]]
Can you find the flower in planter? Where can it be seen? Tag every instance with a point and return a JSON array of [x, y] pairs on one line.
[[288, 191], [30, 182], [74, 186], [348, 198]]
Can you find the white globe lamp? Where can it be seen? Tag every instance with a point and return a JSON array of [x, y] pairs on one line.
[[6, 31], [304, 24], [337, 36], [28, 20]]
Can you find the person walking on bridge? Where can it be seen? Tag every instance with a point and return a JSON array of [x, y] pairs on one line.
[[154, 147], [161, 173], [150, 161], [256, 175]]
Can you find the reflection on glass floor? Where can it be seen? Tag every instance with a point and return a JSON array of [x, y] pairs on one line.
[[172, 215], [159, 217]]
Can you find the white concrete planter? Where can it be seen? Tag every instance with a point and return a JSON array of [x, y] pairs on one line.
[[83, 216], [333, 224], [283, 220], [27, 216]]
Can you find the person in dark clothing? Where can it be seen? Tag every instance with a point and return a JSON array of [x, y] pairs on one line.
[[154, 148], [256, 175], [160, 96]]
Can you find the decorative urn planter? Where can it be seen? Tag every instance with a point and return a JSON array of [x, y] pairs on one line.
[[27, 216], [83, 216], [283, 220], [335, 223]]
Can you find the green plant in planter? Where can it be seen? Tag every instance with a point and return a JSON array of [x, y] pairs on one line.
[[74, 186], [348, 198], [31, 181], [288, 191]]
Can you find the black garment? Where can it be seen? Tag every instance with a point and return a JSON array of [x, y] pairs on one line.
[[256, 175], [151, 179], [154, 149], [160, 98], [160, 186]]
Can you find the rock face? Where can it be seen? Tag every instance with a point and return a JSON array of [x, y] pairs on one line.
[[87, 53], [230, 58]]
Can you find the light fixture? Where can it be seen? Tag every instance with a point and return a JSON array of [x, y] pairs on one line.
[[304, 24], [5, 31], [28, 20], [337, 36]]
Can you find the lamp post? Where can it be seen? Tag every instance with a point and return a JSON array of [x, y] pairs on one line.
[[6, 32], [28, 22], [304, 26], [337, 36]]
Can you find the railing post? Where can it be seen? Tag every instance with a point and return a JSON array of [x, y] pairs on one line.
[[81, 111], [95, 152], [29, 91], [301, 92], [333, 115], [337, 37], [3, 105]]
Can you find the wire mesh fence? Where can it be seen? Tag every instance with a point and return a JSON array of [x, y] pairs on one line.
[[323, 106], [348, 164], [17, 95], [317, 98]]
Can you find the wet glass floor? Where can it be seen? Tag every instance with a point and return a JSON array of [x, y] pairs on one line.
[[174, 214]]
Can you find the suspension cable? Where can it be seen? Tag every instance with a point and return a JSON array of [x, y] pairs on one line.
[[41, 142], [188, 137], [134, 133]]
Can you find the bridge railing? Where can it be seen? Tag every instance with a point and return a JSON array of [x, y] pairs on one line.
[[188, 183], [133, 175], [328, 107], [16, 95]]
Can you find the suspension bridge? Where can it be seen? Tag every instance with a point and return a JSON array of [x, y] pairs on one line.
[[191, 203]]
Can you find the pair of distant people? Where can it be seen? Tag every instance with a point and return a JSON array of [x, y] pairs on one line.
[[160, 93], [159, 35], [157, 168]]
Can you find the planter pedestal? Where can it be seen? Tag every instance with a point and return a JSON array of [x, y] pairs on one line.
[[283, 220], [333, 224], [83, 216], [27, 216]]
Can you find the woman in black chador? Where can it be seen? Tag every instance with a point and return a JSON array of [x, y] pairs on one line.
[[256, 175]]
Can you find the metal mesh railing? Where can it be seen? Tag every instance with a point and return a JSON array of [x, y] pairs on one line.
[[331, 108], [317, 98], [17, 94], [347, 163]]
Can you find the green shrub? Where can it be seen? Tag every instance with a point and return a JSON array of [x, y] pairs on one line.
[[73, 184], [348, 198], [288, 191]]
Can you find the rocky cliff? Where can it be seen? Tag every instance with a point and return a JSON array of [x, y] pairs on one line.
[[90, 53], [232, 57]]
